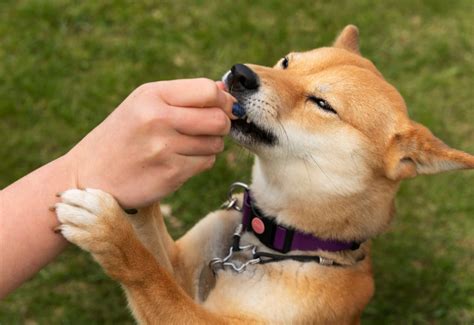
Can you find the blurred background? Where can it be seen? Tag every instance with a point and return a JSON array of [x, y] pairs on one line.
[[64, 65]]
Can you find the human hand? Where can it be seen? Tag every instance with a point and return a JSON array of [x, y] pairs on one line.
[[157, 138]]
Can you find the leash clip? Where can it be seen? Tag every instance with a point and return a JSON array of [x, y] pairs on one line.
[[231, 202], [235, 249]]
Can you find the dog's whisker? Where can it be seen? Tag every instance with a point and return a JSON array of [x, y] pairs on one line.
[[307, 170], [289, 147], [310, 156]]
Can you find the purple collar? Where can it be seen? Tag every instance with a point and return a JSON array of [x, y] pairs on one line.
[[285, 239]]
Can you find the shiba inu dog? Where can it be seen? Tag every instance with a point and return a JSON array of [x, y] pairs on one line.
[[332, 141]]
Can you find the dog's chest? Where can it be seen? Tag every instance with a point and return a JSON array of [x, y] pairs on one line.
[[264, 291]]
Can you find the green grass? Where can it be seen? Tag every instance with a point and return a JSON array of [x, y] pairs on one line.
[[64, 65]]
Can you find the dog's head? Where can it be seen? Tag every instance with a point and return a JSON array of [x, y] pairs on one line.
[[326, 124]]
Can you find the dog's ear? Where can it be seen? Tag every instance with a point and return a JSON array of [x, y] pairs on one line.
[[348, 39], [418, 151]]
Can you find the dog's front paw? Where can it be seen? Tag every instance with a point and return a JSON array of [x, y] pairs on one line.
[[91, 219]]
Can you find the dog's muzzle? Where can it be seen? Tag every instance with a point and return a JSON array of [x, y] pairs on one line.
[[239, 80]]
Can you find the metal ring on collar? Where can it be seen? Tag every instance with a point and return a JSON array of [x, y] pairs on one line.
[[230, 194]]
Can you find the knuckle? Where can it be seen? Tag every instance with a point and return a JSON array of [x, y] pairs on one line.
[[158, 150], [209, 88], [146, 88], [161, 116], [154, 117], [144, 119]]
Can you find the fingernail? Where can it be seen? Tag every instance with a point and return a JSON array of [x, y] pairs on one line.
[[131, 211], [238, 110], [221, 85]]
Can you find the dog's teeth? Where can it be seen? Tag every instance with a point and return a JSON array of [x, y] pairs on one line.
[[248, 120]]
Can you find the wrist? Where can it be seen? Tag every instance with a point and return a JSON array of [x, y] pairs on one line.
[[66, 166]]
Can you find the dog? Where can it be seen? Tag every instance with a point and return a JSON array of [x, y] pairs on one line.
[[332, 140]]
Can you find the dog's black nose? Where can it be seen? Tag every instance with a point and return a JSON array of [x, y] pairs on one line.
[[243, 76]]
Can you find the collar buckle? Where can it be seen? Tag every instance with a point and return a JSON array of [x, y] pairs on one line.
[[325, 261]]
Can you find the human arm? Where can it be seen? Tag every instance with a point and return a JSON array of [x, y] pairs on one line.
[[145, 149]]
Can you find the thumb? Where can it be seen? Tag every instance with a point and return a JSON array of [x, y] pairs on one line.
[[230, 100]]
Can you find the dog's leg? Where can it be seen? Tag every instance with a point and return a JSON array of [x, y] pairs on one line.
[[210, 237], [94, 221], [188, 258], [151, 230]]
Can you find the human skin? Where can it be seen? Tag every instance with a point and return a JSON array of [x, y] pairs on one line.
[[162, 134]]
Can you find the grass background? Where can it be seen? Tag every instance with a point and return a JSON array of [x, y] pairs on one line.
[[64, 65]]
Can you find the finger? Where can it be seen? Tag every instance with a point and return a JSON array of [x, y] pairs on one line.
[[198, 164], [194, 93], [198, 145], [221, 85], [193, 166], [182, 168], [227, 109], [196, 121]]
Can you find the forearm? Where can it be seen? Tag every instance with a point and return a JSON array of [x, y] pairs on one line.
[[27, 239]]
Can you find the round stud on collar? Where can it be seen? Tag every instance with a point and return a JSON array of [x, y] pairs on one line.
[[258, 226]]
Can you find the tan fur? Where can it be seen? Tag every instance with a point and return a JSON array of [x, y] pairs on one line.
[[335, 176]]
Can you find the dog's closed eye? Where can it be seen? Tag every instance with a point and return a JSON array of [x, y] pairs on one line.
[[322, 104]]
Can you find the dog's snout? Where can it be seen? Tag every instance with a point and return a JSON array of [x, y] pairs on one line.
[[243, 77]]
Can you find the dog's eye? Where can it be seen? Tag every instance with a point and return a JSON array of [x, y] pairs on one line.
[[322, 104], [284, 63]]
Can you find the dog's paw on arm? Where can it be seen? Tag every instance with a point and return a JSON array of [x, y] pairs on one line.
[[94, 221]]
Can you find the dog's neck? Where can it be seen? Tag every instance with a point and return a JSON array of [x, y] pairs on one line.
[[300, 200]]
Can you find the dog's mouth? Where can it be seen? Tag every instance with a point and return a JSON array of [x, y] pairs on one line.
[[247, 132]]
